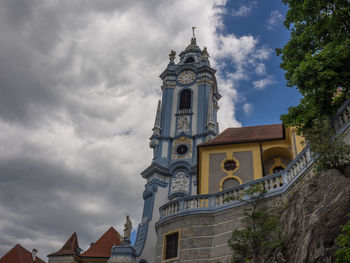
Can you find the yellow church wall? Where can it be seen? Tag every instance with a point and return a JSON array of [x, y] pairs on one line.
[[229, 150], [277, 152]]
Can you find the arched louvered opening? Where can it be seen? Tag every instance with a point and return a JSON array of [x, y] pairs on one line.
[[189, 60]]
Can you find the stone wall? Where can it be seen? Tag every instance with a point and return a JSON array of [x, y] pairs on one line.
[[203, 237]]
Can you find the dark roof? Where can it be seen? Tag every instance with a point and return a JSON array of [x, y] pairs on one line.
[[71, 247], [248, 134], [103, 246], [19, 254]]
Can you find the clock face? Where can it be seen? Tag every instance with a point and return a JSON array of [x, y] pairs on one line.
[[186, 77]]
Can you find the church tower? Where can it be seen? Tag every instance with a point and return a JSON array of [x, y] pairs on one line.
[[186, 116]]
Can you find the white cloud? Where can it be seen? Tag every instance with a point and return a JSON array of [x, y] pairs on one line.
[[262, 83], [80, 87], [248, 109], [260, 69], [243, 10], [274, 20]]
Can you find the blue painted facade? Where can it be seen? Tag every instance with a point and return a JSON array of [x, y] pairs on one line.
[[176, 133]]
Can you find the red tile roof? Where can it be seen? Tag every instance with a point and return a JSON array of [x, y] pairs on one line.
[[19, 254], [69, 248], [248, 134], [102, 247]]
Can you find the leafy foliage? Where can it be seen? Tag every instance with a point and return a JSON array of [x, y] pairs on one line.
[[343, 241], [316, 58], [331, 152], [261, 234]]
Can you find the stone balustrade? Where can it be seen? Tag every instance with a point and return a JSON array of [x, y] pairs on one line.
[[273, 184]]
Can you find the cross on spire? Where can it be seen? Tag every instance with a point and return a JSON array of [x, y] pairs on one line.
[[193, 28]]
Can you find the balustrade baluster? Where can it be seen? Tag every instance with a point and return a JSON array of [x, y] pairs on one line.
[[220, 200], [266, 185], [308, 155], [211, 201], [280, 180], [297, 168], [302, 162]]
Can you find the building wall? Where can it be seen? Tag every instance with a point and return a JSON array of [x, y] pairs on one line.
[[211, 160], [218, 175], [203, 238], [149, 249], [254, 160], [63, 259]]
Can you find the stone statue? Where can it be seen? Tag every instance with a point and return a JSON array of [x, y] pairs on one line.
[[172, 56], [205, 53], [127, 228]]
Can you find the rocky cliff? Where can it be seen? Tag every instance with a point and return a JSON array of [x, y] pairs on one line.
[[315, 210]]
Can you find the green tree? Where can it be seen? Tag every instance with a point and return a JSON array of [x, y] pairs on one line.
[[329, 149], [316, 58], [343, 241], [261, 233]]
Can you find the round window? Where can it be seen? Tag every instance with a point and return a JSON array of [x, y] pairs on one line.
[[230, 165], [182, 149]]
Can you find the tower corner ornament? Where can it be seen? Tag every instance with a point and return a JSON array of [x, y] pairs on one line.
[[172, 56], [127, 228]]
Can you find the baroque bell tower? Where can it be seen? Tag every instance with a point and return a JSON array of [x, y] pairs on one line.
[[186, 116]]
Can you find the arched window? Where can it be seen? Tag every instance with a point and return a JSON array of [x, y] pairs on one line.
[[185, 99], [229, 183], [277, 169]]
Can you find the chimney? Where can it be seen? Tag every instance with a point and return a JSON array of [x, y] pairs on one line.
[[34, 254]]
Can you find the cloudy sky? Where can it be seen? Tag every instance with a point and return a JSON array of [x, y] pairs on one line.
[[78, 93]]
